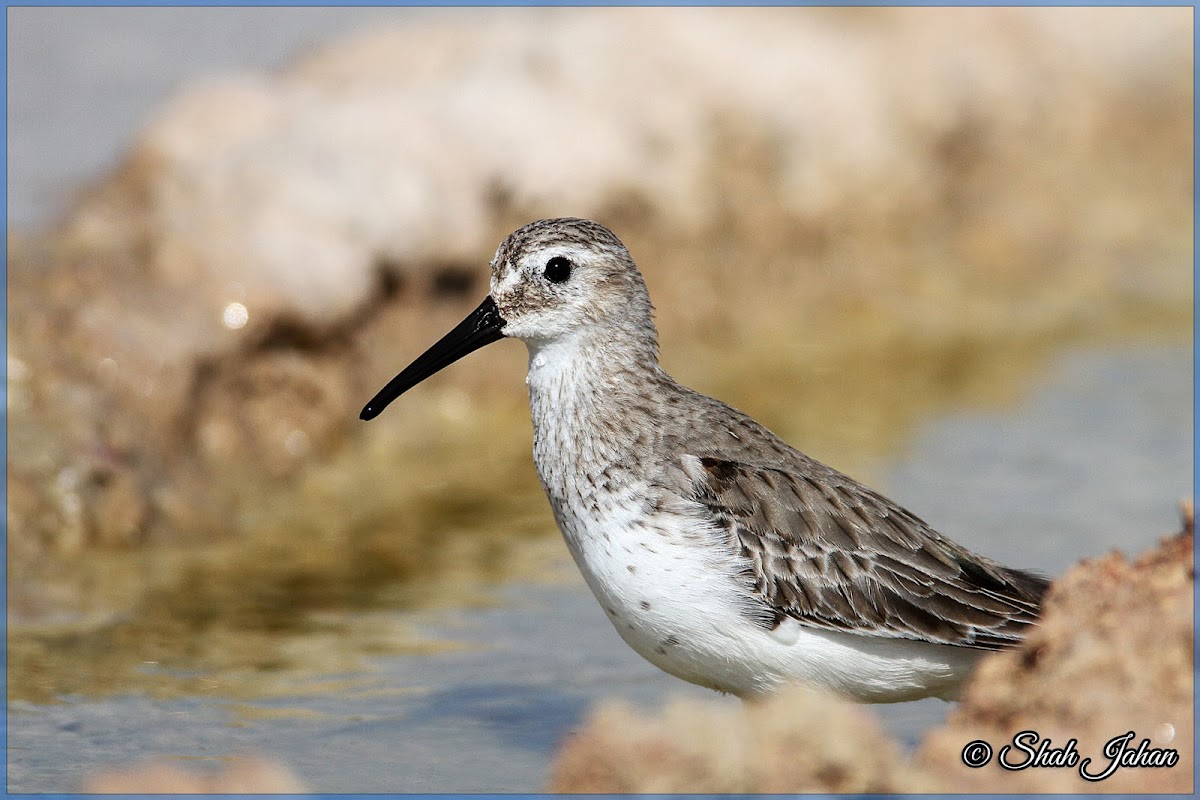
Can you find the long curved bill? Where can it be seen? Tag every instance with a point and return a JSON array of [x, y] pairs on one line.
[[481, 327]]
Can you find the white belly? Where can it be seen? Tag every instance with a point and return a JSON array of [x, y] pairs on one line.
[[663, 598], [673, 596]]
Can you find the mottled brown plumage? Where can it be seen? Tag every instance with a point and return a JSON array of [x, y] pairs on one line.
[[827, 551]]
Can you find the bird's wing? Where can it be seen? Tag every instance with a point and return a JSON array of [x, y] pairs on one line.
[[831, 553]]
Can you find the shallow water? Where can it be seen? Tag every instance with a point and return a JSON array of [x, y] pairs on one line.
[[1095, 458]]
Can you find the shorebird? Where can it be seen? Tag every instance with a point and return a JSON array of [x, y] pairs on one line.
[[721, 554]]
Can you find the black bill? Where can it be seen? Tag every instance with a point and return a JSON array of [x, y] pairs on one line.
[[482, 326]]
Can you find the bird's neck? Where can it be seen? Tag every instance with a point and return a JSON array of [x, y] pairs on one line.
[[590, 369], [594, 403]]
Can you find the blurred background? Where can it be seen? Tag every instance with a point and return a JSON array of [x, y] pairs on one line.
[[948, 251]]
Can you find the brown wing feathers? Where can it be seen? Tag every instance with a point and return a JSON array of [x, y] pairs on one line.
[[831, 553]]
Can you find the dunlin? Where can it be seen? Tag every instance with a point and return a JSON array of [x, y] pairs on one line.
[[721, 554]]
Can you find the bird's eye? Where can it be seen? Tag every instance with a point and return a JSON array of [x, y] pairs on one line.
[[558, 269]]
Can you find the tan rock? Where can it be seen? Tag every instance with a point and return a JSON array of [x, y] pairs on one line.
[[120, 508], [798, 741], [1114, 654], [239, 776]]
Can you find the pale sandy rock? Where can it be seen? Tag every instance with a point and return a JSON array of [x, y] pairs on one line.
[[121, 508], [410, 143], [1114, 654], [247, 775], [799, 741]]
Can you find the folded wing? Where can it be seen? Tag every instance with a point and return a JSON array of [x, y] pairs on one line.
[[831, 553]]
